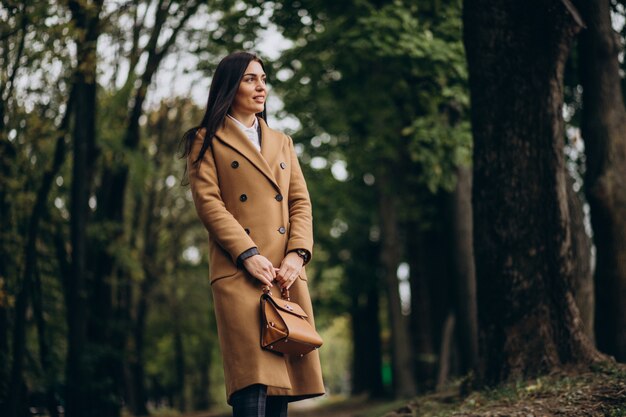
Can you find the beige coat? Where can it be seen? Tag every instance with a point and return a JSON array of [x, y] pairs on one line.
[[246, 199]]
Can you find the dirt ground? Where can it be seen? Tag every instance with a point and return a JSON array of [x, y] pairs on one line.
[[600, 392]]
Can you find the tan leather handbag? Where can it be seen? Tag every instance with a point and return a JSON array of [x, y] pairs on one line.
[[284, 328]]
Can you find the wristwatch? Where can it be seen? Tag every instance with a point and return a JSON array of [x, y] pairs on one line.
[[303, 254]]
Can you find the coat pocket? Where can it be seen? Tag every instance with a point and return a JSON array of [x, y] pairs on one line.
[[220, 264]]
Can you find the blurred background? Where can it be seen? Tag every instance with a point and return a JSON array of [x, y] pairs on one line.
[[104, 291]]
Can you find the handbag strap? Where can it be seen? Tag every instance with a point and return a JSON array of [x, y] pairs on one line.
[[284, 292]]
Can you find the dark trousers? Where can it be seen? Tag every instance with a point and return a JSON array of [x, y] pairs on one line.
[[253, 401]]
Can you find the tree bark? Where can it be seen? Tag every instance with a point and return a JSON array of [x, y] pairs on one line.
[[463, 270], [86, 20], [44, 350], [603, 123], [367, 353], [445, 351], [582, 284], [516, 54], [402, 361]]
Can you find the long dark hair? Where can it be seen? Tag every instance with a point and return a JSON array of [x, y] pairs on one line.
[[224, 86]]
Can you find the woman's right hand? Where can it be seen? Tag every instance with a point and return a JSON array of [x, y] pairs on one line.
[[261, 268]]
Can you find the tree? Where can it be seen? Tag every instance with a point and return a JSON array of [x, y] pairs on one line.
[[603, 121], [382, 82], [86, 19], [516, 54]]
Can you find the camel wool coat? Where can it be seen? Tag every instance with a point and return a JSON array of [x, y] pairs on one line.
[[247, 198]]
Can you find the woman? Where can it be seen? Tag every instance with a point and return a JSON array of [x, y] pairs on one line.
[[250, 194]]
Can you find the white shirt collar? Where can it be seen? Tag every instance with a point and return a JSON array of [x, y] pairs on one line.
[[243, 127], [251, 133]]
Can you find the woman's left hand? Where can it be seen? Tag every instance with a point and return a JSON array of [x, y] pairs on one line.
[[289, 270]]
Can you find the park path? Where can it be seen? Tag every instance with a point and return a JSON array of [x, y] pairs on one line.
[[311, 408]]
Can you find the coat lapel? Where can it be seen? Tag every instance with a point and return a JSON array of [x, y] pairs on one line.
[[270, 144], [232, 136]]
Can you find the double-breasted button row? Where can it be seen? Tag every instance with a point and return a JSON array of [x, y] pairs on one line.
[[244, 197], [235, 165]]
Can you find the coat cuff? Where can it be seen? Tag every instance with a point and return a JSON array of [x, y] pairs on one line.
[[247, 254], [307, 257]]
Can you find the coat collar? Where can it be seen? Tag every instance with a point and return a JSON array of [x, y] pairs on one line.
[[232, 136]]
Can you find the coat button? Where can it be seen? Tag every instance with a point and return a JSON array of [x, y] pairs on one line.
[[243, 197], [279, 197], [234, 164], [283, 165], [247, 230], [281, 230]]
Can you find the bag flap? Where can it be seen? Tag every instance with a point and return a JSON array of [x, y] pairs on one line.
[[286, 306]]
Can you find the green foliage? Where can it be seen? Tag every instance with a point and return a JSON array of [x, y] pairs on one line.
[[335, 355], [379, 88], [439, 149]]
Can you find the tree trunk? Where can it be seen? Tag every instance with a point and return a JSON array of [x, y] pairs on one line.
[[582, 283], [367, 353], [86, 19], [463, 269], [179, 360], [404, 383], [421, 311], [44, 344], [516, 54], [603, 123], [445, 351]]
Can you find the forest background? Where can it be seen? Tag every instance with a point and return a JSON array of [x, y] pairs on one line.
[[420, 275]]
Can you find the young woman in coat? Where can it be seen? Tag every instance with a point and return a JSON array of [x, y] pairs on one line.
[[250, 194]]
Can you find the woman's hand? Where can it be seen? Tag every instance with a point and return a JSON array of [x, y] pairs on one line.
[[260, 268], [289, 270]]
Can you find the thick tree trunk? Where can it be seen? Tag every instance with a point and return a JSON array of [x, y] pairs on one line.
[[603, 129], [516, 53], [86, 19], [390, 255], [463, 270], [367, 353], [582, 277], [364, 288]]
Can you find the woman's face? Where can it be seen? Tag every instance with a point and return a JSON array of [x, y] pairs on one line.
[[250, 98]]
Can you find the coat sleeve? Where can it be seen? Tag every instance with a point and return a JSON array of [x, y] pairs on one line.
[[205, 189], [300, 211]]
